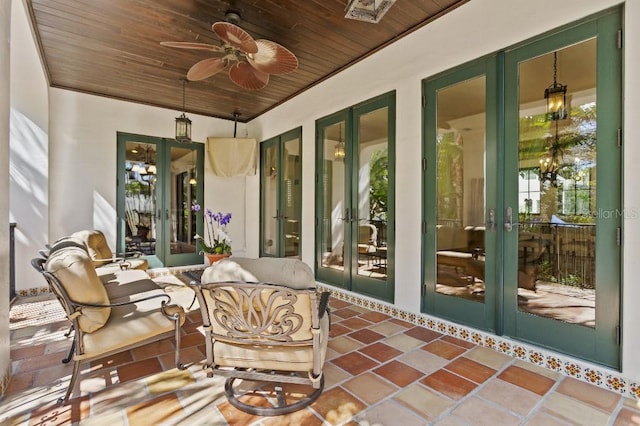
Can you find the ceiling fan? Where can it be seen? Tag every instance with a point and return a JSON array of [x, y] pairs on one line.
[[249, 61]]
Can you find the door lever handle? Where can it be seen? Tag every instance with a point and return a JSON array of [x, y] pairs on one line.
[[508, 220], [347, 216]]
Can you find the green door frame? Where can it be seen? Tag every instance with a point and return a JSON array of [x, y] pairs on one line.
[[162, 255], [349, 279], [279, 143], [333, 276]]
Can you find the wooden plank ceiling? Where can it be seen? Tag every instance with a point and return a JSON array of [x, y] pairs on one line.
[[112, 47]]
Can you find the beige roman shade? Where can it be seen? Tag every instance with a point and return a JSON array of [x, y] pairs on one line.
[[230, 157]]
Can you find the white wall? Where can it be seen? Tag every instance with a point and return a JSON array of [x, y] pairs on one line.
[[631, 223], [29, 172], [479, 27], [82, 137], [5, 28]]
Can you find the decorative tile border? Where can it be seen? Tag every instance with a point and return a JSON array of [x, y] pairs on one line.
[[33, 291], [560, 363]]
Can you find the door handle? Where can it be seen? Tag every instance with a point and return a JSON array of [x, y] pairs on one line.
[[491, 223], [508, 220], [347, 216], [167, 213]]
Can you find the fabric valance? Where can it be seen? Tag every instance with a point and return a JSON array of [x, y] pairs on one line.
[[230, 157]]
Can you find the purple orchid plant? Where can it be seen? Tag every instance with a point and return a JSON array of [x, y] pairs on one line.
[[216, 240]]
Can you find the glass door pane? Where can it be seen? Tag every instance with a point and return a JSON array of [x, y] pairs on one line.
[[372, 193], [270, 211], [291, 195], [140, 198], [181, 218], [557, 191], [334, 211], [460, 188]]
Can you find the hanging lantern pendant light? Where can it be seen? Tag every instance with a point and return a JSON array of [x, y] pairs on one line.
[[556, 96], [194, 180], [183, 124], [339, 153]]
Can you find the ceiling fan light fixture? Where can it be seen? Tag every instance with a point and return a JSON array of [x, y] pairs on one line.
[[368, 10], [249, 62]]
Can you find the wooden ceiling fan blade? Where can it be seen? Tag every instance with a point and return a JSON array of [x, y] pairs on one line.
[[190, 45], [247, 77], [206, 68], [235, 36], [272, 58]]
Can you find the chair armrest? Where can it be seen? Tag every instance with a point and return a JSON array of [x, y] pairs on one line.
[[38, 263], [129, 254], [109, 259], [130, 302], [323, 305]]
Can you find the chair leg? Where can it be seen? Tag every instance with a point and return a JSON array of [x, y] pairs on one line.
[[72, 383], [179, 364], [280, 408]]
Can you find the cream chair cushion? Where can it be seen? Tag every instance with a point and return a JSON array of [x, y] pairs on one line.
[[128, 325], [67, 242], [74, 269], [292, 273], [97, 246], [102, 255]]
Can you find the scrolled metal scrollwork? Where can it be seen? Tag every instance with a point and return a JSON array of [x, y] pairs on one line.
[[257, 312]]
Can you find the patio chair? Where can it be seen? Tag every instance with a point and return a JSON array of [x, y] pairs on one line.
[[104, 327], [273, 337]]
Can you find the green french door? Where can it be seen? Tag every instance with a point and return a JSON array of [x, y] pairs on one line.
[[542, 262], [355, 198], [562, 250], [159, 183], [460, 198], [281, 195]]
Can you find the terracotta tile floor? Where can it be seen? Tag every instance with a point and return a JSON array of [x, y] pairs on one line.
[[379, 371]]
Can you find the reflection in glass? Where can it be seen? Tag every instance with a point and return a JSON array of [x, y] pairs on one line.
[[334, 212], [182, 219], [557, 183], [373, 189], [292, 197], [270, 212], [460, 189], [140, 197]]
